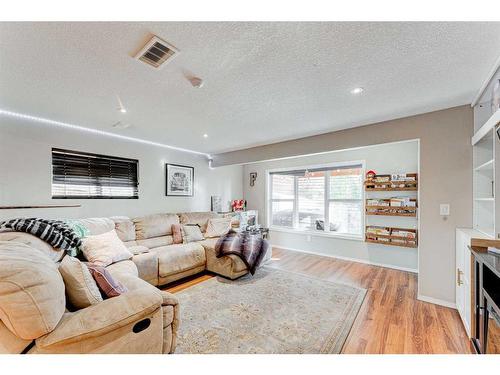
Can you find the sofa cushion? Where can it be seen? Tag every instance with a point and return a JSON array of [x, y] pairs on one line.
[[154, 225], [147, 266], [218, 227], [125, 228], [151, 243], [138, 249], [177, 258], [32, 299], [125, 266], [30, 240], [81, 289], [191, 233], [200, 218], [98, 225], [130, 243], [104, 249]]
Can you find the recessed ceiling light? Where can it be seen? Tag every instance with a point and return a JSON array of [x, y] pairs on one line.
[[205, 135], [357, 90]]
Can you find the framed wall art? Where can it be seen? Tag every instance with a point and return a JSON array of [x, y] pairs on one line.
[[179, 180]]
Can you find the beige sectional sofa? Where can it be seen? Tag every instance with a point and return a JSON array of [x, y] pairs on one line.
[[166, 262], [33, 313]]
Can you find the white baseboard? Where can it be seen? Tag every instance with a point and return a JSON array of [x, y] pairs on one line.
[[349, 259], [436, 301]]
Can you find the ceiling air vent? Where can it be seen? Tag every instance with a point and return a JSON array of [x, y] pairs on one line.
[[156, 52]]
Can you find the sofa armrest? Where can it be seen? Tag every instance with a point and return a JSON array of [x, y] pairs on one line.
[[168, 299], [102, 318]]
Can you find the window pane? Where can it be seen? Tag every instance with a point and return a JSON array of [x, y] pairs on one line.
[[345, 217], [84, 175], [311, 201], [346, 183], [283, 186], [282, 214]]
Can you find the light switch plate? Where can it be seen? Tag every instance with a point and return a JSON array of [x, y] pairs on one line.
[[444, 209]]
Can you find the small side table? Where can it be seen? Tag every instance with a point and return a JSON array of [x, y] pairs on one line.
[[264, 232]]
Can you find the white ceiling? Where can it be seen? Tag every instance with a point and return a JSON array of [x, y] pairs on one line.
[[264, 82]]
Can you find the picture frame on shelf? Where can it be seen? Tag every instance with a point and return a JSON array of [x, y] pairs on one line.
[[216, 203]]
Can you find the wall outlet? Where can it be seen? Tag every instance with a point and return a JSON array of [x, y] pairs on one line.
[[444, 209], [308, 238]]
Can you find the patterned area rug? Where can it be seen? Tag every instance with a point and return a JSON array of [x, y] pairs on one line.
[[274, 311]]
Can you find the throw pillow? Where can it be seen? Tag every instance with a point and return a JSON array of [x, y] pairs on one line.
[[81, 289], [79, 229], [105, 249], [191, 233], [218, 227], [106, 283], [177, 233]]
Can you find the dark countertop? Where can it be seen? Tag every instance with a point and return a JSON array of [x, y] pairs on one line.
[[492, 261]]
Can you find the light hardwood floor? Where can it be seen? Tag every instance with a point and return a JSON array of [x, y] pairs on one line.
[[391, 319]]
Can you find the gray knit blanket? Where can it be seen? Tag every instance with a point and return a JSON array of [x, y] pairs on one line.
[[249, 247], [55, 232]]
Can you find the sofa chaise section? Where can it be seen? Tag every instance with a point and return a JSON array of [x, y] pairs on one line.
[[174, 261]]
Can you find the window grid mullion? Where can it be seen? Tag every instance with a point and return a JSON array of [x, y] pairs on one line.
[[326, 225], [269, 212], [327, 201], [296, 203]]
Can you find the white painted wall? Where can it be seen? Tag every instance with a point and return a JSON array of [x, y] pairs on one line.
[[401, 157], [25, 173]]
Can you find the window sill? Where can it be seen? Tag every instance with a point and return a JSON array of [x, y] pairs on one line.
[[343, 236]]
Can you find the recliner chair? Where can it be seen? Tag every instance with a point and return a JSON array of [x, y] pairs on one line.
[[34, 318]]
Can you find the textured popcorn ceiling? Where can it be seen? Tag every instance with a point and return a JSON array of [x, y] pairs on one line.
[[264, 82]]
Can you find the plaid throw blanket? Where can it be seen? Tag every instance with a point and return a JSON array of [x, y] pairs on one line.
[[56, 233], [249, 247]]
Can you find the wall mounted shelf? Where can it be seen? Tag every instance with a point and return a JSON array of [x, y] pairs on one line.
[[385, 208], [392, 238], [408, 214], [391, 244], [403, 206], [393, 185], [392, 189], [488, 126], [485, 166]]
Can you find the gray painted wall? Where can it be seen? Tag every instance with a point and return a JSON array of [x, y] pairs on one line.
[[25, 173], [445, 177], [378, 158]]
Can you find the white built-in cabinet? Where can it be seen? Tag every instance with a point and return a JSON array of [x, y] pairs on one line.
[[486, 193], [486, 151], [486, 160], [463, 274]]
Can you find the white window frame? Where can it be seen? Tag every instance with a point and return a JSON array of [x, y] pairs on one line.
[[326, 232]]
